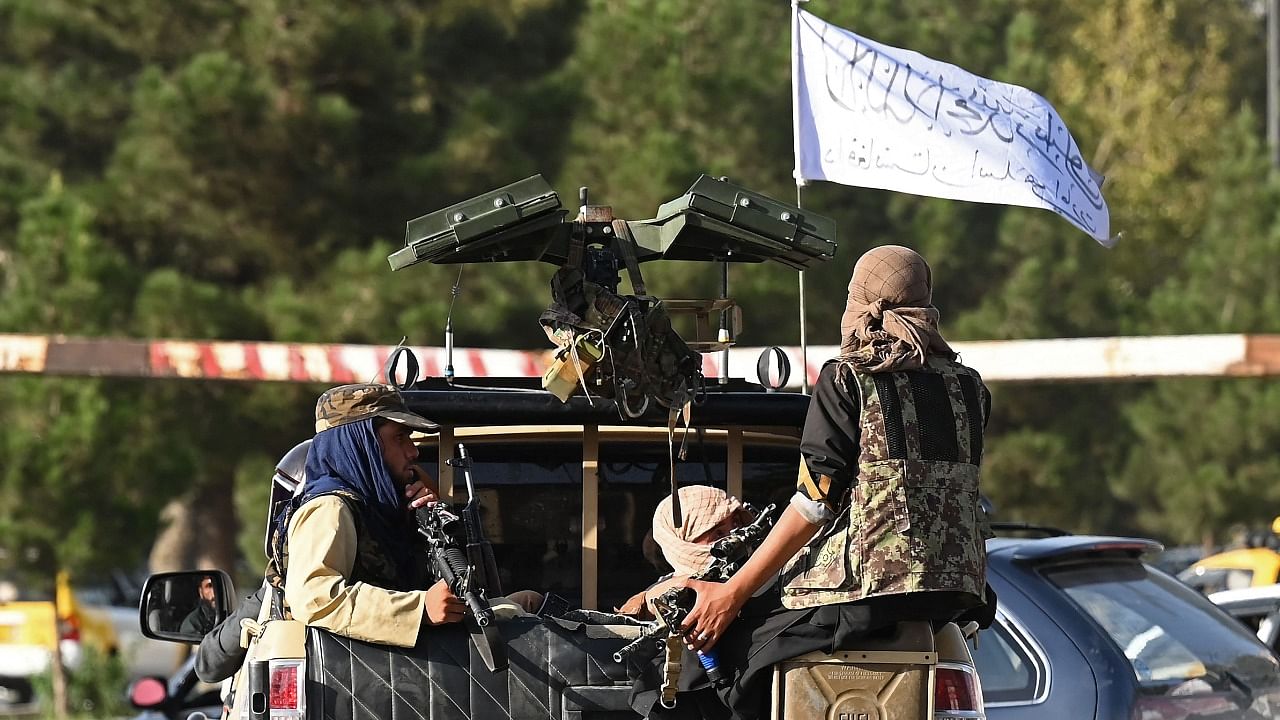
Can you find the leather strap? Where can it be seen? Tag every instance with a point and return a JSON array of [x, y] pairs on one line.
[[671, 671], [576, 246], [673, 418], [627, 245]]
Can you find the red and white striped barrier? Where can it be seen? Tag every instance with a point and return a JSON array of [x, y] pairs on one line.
[[1119, 358]]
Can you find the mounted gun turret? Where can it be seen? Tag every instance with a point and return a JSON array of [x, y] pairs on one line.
[[622, 347]]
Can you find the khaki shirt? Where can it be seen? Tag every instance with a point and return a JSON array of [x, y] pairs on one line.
[[322, 553]]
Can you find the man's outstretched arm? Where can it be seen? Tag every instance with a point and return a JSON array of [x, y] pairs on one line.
[[719, 603], [220, 655]]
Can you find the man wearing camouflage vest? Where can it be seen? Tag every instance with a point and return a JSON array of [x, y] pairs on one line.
[[885, 524]]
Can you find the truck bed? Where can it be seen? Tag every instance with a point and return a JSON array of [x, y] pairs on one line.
[[556, 670]]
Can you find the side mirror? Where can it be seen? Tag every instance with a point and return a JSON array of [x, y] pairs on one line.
[[184, 606]]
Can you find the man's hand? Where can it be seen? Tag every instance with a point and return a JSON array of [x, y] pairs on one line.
[[442, 605], [717, 606], [422, 491]]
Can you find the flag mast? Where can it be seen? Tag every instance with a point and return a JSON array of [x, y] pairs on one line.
[[795, 139]]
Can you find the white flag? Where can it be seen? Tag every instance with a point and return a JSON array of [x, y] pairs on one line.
[[871, 115]]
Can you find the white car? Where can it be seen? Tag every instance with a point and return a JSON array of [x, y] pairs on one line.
[[1257, 607]]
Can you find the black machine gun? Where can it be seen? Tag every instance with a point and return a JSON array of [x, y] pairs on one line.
[[462, 557], [728, 554]]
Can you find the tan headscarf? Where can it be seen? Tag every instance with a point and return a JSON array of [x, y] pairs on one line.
[[704, 507], [889, 321]]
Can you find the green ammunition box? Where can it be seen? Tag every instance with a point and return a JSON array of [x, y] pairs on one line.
[[516, 222], [717, 220]]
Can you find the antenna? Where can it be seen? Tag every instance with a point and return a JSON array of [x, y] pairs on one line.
[[448, 329]]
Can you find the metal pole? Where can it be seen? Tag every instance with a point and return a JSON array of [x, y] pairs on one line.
[[1273, 79], [804, 342], [724, 321], [795, 134], [804, 325]]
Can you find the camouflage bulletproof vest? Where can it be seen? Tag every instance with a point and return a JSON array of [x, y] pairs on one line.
[[912, 521]]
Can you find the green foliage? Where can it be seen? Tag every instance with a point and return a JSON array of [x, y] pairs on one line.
[[94, 689], [1222, 466], [252, 494], [60, 276], [202, 169], [1221, 470]]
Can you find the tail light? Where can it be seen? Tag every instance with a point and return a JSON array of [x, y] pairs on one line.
[[69, 628], [281, 696], [956, 692], [286, 685]]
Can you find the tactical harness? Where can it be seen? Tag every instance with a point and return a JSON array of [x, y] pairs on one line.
[[623, 347], [640, 356]]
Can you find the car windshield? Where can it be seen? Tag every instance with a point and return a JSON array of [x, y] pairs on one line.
[[1175, 639]]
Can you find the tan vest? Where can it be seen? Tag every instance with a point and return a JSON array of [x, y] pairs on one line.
[[912, 522]]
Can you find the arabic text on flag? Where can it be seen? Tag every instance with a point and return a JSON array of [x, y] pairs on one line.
[[872, 115]]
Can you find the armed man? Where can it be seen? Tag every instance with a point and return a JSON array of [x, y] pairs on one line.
[[885, 525], [351, 560]]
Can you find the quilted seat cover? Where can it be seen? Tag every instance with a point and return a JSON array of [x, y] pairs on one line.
[[556, 672]]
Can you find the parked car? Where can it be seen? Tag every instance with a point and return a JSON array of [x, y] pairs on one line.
[[1234, 570], [1257, 607], [1086, 629], [1174, 560], [102, 615]]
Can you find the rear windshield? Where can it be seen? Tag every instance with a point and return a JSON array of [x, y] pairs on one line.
[[1176, 640], [532, 498]]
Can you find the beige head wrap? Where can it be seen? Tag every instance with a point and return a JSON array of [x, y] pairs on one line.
[[704, 507], [889, 320]]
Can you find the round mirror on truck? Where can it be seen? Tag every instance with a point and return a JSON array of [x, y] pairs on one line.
[[184, 606], [773, 369]]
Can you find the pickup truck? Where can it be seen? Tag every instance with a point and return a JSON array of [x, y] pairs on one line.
[[568, 471], [567, 493]]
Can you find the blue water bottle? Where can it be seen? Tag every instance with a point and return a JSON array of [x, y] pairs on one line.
[[711, 663]]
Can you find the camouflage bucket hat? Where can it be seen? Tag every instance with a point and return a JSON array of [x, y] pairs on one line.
[[353, 403]]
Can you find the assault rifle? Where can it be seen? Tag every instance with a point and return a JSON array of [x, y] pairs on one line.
[[673, 606], [461, 556]]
